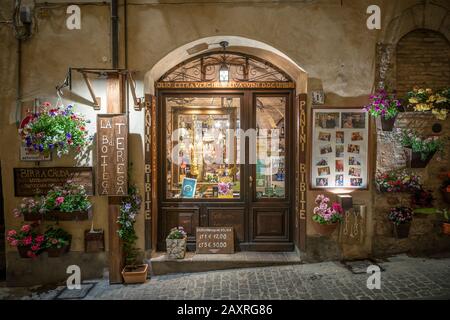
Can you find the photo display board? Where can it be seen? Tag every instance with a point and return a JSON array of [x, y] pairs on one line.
[[340, 148]]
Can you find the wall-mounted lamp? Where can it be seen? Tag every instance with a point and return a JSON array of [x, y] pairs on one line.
[[346, 201]]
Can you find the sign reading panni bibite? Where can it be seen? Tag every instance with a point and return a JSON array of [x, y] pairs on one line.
[[215, 240], [112, 155]]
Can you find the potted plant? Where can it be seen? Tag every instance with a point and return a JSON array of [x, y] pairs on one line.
[[134, 271], [425, 100], [384, 105], [326, 216], [57, 241], [28, 242], [69, 202], [401, 218], [176, 243], [398, 181], [445, 187], [30, 208], [422, 149], [59, 129]]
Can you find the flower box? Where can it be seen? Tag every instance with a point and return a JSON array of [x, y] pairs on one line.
[[176, 248], [68, 216], [135, 274], [56, 252], [34, 216]]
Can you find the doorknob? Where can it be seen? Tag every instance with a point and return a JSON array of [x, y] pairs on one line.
[[250, 180]]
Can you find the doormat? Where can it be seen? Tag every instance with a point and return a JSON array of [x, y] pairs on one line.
[[67, 294], [360, 266]]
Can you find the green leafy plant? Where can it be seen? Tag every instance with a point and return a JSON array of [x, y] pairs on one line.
[[130, 207], [68, 198], [177, 233], [56, 237], [425, 146], [398, 181]]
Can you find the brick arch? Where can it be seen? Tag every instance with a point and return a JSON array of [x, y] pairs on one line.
[[422, 59], [420, 16]]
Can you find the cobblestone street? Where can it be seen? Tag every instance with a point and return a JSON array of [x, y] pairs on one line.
[[404, 278]]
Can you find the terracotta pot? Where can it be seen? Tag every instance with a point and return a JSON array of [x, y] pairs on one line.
[[417, 162], [23, 251], [388, 125], [176, 248], [401, 231], [135, 274], [325, 229], [446, 228]]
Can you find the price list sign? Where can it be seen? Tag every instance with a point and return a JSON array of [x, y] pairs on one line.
[[219, 240]]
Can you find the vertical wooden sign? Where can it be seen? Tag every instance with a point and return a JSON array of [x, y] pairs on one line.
[[148, 173], [112, 155], [301, 193]]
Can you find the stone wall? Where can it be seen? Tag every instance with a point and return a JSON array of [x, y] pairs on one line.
[[425, 234]]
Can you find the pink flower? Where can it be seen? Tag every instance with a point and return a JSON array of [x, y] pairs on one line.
[[54, 241], [59, 200], [12, 233], [40, 238], [35, 247], [31, 254], [27, 241], [26, 228], [14, 243]]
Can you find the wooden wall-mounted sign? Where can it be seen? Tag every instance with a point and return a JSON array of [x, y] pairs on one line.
[[112, 155], [215, 240], [37, 181]]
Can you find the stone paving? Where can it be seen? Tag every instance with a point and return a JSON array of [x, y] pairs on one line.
[[404, 278]]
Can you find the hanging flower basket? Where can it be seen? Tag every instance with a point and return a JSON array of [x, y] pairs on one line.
[[58, 129], [326, 215], [24, 251], [57, 241], [401, 231], [388, 124]]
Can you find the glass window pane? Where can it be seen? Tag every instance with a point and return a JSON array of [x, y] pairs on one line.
[[202, 149], [270, 147]]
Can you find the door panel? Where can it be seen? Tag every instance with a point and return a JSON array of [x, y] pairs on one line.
[[270, 224], [228, 217]]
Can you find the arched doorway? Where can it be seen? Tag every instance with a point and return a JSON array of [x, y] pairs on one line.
[[226, 149], [293, 81]]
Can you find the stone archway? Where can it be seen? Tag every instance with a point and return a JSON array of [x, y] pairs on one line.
[[427, 16], [237, 44]]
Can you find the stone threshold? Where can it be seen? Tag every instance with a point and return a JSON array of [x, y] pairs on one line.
[[160, 264]]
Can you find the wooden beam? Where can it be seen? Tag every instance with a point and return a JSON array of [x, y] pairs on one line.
[[115, 104]]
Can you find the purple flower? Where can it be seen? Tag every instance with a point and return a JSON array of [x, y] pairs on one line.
[[41, 148], [68, 135]]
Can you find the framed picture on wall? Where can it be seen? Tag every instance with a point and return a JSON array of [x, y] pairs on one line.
[[340, 148]]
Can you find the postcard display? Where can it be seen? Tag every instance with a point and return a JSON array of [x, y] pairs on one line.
[[340, 148]]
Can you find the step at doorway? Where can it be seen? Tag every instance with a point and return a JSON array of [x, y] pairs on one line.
[[161, 264]]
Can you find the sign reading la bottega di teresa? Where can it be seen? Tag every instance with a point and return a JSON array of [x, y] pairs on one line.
[[112, 155]]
